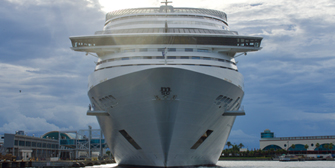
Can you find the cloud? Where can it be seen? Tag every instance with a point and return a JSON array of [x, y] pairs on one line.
[[288, 84]]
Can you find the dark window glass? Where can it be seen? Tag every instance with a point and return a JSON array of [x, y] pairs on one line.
[[161, 49], [189, 49], [16, 142], [195, 57], [172, 49], [28, 143], [33, 144], [171, 57], [183, 57], [44, 145], [21, 143], [39, 145], [125, 58], [207, 58]]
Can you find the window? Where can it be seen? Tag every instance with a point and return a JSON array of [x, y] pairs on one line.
[[16, 142], [161, 49], [143, 49], [172, 49], [28, 143], [39, 145], [44, 145], [202, 50], [188, 49], [195, 57], [129, 50], [147, 57], [184, 57], [171, 57], [33, 144], [206, 58], [21, 143], [125, 58]]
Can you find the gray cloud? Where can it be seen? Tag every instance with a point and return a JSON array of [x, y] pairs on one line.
[[288, 84]]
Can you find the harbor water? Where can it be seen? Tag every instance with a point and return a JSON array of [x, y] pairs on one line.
[[257, 164]]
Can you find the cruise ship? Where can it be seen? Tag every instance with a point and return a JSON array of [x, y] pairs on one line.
[[166, 89]]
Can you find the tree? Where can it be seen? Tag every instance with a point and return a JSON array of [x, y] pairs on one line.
[[292, 146], [240, 145], [331, 145], [318, 145], [229, 144], [326, 146]]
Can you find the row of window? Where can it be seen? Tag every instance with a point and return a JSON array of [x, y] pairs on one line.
[[166, 40], [168, 57], [310, 137], [163, 64], [35, 144], [168, 16], [168, 22], [168, 30]]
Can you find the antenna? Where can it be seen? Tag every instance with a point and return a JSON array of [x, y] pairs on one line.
[[166, 2]]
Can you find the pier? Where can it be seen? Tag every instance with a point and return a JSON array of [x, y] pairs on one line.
[[69, 163]]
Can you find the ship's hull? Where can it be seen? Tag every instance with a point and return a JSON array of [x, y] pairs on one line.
[[165, 125]]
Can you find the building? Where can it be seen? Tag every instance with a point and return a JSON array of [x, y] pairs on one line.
[[59, 144], [314, 144], [26, 147]]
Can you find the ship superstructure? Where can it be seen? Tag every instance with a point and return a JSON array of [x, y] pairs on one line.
[[166, 89]]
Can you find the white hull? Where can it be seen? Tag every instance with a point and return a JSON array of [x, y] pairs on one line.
[[166, 129], [166, 88]]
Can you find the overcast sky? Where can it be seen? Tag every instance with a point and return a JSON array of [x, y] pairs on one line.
[[289, 84]]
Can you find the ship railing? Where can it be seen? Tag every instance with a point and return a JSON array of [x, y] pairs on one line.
[[170, 30]]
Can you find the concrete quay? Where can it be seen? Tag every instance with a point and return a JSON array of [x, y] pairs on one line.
[[71, 163]]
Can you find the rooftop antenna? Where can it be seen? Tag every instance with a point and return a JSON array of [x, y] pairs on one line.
[[166, 3]]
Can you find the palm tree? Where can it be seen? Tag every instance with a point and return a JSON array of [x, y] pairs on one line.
[[292, 146], [331, 145], [240, 145], [229, 144], [317, 145], [306, 147], [326, 146]]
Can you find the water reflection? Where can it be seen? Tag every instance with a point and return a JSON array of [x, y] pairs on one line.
[[249, 164]]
